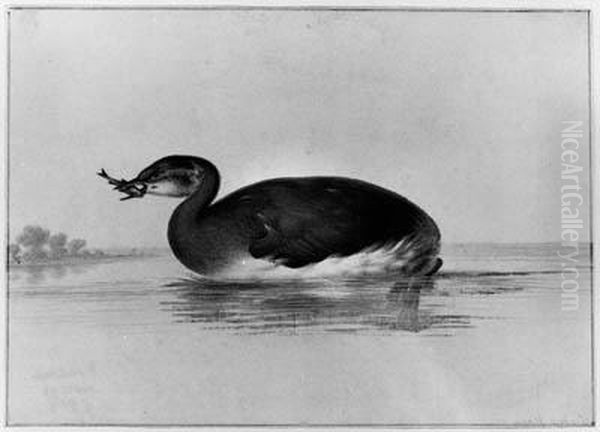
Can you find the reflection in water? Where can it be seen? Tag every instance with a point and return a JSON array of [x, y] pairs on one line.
[[350, 305], [36, 274]]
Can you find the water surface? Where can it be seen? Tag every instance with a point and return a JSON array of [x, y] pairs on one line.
[[144, 341]]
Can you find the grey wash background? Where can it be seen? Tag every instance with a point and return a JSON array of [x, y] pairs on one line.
[[459, 111]]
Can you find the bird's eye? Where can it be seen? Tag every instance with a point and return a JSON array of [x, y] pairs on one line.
[[153, 187]]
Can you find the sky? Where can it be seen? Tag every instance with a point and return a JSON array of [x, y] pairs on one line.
[[461, 112]]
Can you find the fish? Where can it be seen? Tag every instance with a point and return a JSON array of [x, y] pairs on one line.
[[132, 188]]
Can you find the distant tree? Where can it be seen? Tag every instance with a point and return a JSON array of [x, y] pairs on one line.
[[14, 252], [57, 243], [74, 246], [34, 237], [34, 255], [35, 244]]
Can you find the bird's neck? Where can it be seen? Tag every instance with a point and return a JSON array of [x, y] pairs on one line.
[[188, 212]]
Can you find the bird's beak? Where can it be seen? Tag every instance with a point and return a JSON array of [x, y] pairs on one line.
[[133, 189]]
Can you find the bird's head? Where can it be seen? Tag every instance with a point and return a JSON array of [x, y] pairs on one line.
[[171, 176]]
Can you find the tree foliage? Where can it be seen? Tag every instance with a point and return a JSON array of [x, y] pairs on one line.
[[34, 237], [75, 246], [14, 252], [35, 244], [57, 243]]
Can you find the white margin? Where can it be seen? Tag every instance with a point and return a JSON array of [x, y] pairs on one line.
[[593, 6]]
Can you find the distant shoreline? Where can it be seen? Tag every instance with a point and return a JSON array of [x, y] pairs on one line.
[[82, 260]]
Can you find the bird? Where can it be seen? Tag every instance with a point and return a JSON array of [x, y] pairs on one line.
[[297, 225]]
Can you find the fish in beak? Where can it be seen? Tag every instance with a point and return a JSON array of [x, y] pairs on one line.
[[132, 188]]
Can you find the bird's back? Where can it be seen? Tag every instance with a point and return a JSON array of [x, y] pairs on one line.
[[300, 221]]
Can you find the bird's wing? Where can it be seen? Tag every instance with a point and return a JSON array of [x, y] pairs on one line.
[[297, 228]]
